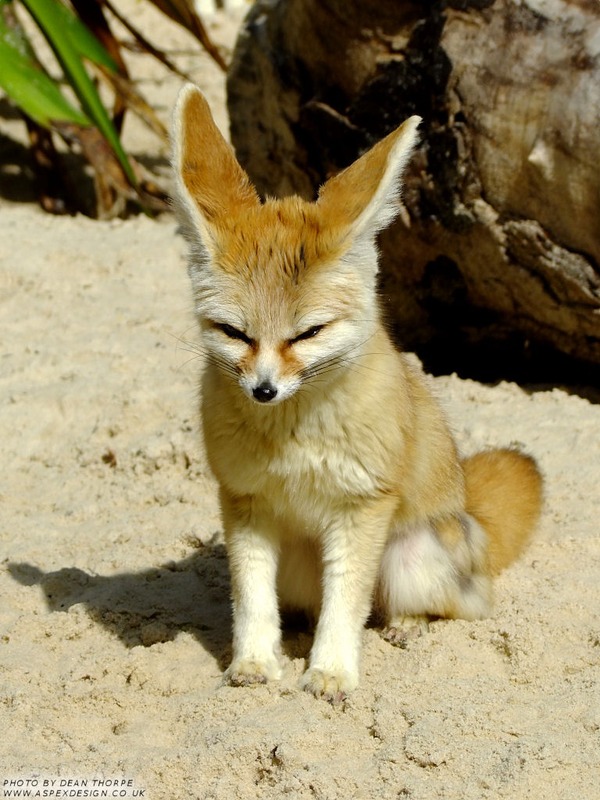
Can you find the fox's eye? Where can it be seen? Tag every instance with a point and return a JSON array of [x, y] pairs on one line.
[[307, 334], [233, 333]]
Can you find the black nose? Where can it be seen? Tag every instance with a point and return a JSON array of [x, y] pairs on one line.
[[264, 392]]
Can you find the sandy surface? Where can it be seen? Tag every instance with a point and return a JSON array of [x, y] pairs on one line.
[[114, 612]]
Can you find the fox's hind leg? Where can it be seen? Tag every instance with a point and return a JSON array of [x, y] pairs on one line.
[[433, 569]]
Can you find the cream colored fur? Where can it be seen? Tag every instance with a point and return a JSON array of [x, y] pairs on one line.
[[341, 489]]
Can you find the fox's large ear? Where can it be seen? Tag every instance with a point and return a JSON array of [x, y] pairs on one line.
[[211, 185], [364, 197]]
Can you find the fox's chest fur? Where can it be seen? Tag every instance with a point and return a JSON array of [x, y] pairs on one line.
[[319, 454], [307, 456]]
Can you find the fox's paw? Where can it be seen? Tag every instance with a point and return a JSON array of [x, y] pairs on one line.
[[330, 686], [248, 672], [404, 630]]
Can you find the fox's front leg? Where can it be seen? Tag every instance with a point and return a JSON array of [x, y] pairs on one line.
[[352, 550], [252, 550]]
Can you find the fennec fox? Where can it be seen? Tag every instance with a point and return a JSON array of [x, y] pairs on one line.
[[341, 489]]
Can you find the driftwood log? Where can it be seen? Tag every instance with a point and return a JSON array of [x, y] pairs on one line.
[[499, 238]]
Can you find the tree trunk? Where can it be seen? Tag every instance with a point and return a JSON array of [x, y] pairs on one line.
[[500, 235]]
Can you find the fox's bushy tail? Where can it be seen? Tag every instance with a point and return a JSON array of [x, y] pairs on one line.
[[504, 494]]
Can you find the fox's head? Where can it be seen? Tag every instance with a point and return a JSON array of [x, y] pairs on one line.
[[285, 290]]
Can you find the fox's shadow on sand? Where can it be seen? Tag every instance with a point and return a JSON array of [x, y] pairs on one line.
[[144, 608], [154, 605]]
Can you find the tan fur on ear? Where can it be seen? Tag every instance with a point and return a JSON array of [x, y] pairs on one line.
[[210, 180], [364, 195]]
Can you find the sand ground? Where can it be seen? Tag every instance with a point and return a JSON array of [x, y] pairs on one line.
[[114, 613]]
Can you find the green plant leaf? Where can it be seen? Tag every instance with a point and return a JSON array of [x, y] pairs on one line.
[[72, 42], [29, 86], [83, 40]]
